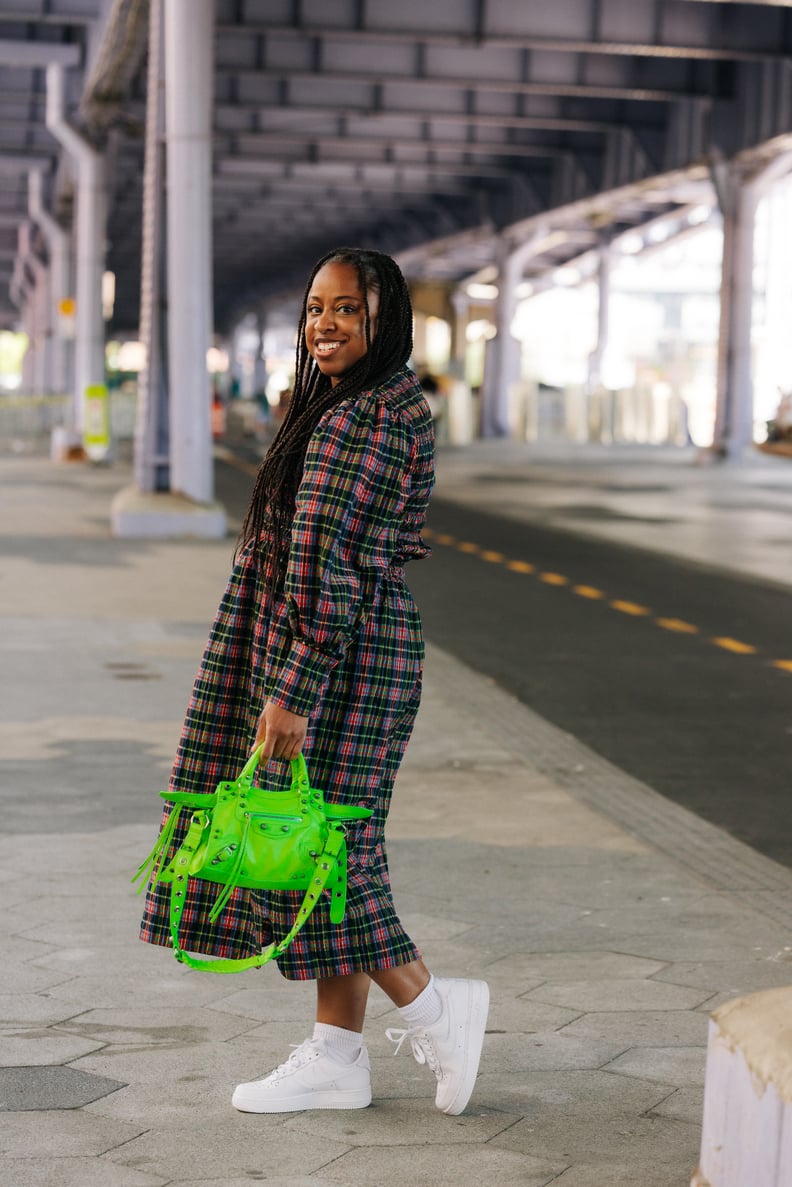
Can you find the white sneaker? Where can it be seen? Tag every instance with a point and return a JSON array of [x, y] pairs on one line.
[[309, 1079], [452, 1045]]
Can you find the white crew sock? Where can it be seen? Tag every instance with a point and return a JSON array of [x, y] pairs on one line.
[[426, 1009], [344, 1045]]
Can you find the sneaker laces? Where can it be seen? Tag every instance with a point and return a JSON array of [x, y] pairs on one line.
[[298, 1058], [421, 1045]]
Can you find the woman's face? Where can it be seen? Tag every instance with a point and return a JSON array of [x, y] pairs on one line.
[[335, 319]]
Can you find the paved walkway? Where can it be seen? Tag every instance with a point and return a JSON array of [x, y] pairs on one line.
[[607, 920]]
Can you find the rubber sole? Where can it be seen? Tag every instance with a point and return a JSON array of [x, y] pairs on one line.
[[310, 1100]]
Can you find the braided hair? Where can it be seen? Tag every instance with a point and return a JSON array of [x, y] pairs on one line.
[[274, 494]]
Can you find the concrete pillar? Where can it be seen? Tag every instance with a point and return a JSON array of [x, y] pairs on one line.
[[733, 430], [189, 73], [60, 380], [502, 361], [89, 351], [738, 198], [603, 316], [179, 363], [151, 457]]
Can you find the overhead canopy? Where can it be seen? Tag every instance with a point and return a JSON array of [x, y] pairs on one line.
[[425, 129]]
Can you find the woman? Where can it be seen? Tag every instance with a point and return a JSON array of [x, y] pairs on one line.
[[317, 648]]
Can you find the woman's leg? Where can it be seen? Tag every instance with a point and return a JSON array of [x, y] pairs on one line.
[[341, 1001], [403, 983]]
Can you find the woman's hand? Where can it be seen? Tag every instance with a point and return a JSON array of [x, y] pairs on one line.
[[282, 733]]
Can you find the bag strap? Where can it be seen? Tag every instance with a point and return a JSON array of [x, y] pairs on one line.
[[328, 873]]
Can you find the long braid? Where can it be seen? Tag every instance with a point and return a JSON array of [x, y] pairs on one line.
[[274, 493]]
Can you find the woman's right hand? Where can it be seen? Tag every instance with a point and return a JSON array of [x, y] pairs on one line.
[[280, 732]]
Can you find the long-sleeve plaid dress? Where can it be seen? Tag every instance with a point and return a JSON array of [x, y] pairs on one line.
[[342, 645]]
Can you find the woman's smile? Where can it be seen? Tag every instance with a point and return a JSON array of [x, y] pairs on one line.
[[335, 319]]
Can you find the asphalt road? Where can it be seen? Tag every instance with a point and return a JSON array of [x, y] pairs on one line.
[[664, 668]]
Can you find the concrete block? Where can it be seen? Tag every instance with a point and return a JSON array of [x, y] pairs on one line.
[[136, 514], [747, 1128]]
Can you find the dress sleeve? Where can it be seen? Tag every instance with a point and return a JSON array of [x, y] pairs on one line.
[[350, 497]]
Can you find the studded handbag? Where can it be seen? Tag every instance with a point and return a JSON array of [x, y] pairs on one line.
[[246, 836]]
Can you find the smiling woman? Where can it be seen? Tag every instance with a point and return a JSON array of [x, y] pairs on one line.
[[340, 319], [318, 649]]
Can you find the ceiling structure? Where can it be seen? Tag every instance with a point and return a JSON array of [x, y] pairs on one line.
[[435, 131]]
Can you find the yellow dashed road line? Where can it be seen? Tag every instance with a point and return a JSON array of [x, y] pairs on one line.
[[734, 645], [588, 591], [633, 609], [630, 608], [678, 625]]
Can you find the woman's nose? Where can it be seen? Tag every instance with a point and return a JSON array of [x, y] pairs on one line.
[[325, 321]]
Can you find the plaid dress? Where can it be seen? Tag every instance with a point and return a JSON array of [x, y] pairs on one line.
[[342, 645]]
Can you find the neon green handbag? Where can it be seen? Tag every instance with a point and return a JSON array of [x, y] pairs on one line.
[[246, 836]]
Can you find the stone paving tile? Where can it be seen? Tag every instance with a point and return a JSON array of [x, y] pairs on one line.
[[607, 1174], [543, 1052], [438, 1166], [685, 1104], [35, 1048], [31, 1009], [410, 1122], [644, 1143], [70, 1133], [520, 1015], [44, 1171], [238, 1146], [732, 977], [24, 978], [113, 991], [575, 966], [639, 1028], [669, 1065], [166, 1028], [217, 1065], [677, 945], [569, 1097], [19, 951], [51, 1087], [618, 995], [272, 1181]]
